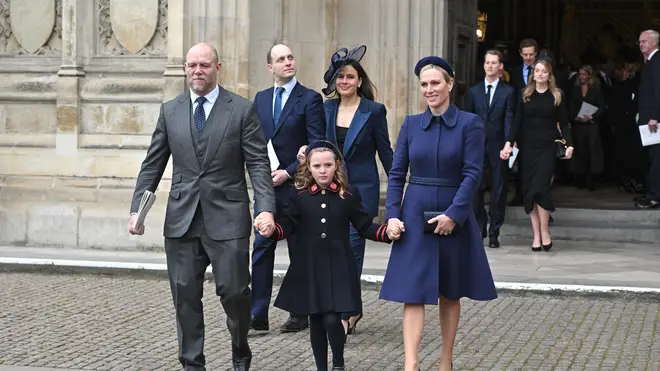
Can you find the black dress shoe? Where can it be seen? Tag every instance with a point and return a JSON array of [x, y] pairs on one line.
[[338, 369], [648, 204], [295, 324], [242, 364], [494, 242], [259, 324], [642, 198], [536, 249]]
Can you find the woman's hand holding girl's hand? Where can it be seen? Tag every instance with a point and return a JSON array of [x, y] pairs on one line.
[[394, 229]]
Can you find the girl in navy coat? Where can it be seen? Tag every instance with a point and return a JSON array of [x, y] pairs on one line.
[[322, 279], [444, 150], [358, 127]]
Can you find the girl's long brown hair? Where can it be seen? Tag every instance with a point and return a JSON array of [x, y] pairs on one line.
[[304, 178], [552, 84]]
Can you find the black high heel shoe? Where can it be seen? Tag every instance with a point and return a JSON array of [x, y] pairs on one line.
[[351, 329], [536, 249], [547, 247]]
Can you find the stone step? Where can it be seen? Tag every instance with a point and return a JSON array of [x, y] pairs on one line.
[[631, 217], [586, 231]]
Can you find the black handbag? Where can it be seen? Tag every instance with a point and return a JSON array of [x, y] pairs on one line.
[[560, 148], [430, 228]]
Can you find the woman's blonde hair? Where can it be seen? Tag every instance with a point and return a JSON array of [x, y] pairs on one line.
[[593, 80], [305, 179], [552, 85]]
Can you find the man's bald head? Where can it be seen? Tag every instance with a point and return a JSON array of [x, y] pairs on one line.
[[202, 68]]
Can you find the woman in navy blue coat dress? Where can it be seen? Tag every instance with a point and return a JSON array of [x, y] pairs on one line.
[[443, 148]]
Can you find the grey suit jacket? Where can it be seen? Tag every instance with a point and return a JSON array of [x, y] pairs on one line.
[[217, 182]]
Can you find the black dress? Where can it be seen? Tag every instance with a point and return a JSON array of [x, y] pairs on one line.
[[322, 275], [535, 130]]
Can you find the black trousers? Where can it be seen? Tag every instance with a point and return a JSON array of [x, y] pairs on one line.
[[588, 158], [187, 260], [653, 182], [499, 172]]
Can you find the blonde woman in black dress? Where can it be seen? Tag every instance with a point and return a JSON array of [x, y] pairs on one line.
[[540, 106]]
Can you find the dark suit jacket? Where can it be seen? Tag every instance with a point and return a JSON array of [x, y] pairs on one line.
[[367, 135], [498, 118], [649, 91], [301, 122], [217, 182], [516, 79]]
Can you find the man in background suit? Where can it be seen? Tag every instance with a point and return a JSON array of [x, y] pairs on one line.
[[528, 50], [649, 113], [291, 116], [493, 100], [212, 135]]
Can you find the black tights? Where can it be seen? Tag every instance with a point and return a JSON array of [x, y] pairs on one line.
[[324, 327]]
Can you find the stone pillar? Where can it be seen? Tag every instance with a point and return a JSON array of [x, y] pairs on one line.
[[174, 76], [69, 75]]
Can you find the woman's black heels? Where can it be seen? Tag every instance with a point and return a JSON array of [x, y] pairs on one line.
[[351, 329], [536, 249], [547, 247]]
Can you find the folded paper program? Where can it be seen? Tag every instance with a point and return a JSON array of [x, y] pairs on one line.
[[148, 199]]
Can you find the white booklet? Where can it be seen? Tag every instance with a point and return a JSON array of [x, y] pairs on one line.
[[648, 138], [148, 199], [512, 158], [587, 110], [272, 156]]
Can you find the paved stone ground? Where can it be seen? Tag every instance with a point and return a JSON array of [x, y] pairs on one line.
[[91, 322]]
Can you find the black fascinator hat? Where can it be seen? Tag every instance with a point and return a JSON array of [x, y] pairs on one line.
[[339, 60]]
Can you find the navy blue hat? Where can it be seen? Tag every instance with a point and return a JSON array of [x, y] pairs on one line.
[[322, 144], [437, 61], [337, 61]]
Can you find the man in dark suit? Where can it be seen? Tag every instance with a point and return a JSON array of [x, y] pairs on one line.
[[519, 76], [649, 113], [291, 116], [212, 135], [493, 100]]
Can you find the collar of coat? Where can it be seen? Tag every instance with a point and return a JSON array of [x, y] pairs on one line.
[[315, 188]]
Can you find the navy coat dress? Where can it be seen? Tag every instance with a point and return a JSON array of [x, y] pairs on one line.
[[445, 156], [322, 276]]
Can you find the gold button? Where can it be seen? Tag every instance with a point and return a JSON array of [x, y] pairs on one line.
[[323, 192], [322, 220], [323, 206], [322, 235]]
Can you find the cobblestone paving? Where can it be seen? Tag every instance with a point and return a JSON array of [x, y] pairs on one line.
[[93, 322]]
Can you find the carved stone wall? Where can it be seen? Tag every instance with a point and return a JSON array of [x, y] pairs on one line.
[[82, 81], [132, 28], [31, 27]]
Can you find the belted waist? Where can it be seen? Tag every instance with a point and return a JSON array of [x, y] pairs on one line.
[[440, 182]]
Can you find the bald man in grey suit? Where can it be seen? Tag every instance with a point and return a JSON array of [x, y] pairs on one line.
[[212, 135]]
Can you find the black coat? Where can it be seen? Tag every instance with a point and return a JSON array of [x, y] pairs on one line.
[[649, 91], [322, 275]]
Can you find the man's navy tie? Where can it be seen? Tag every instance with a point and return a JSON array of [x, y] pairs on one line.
[[277, 110], [200, 117], [488, 96]]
